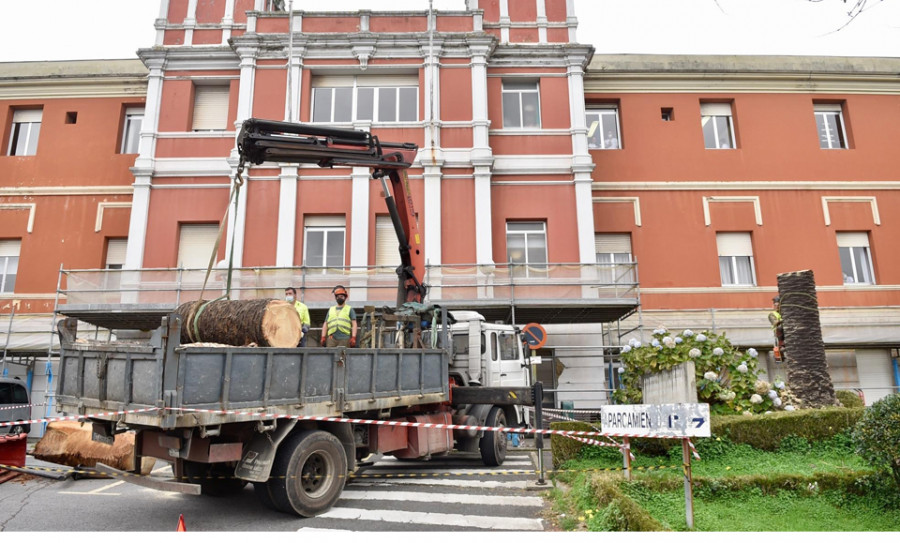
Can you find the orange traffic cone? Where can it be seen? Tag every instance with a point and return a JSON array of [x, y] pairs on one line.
[[180, 524]]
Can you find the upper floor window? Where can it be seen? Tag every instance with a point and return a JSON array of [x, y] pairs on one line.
[[210, 107], [856, 259], [603, 127], [526, 247], [131, 131], [735, 259], [195, 245], [380, 99], [26, 127], [521, 104], [614, 254], [830, 125], [718, 128], [9, 263], [115, 253], [324, 242]]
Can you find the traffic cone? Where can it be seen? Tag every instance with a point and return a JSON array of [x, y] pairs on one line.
[[180, 524]]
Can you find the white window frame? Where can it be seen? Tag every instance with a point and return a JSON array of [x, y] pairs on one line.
[[824, 112], [598, 130], [131, 130], [26, 126], [734, 248], [853, 249], [328, 226], [10, 250], [405, 86], [518, 89], [710, 112], [211, 102], [613, 249], [524, 266]]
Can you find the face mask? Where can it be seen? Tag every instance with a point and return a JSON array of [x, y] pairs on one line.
[[289, 298], [340, 300]]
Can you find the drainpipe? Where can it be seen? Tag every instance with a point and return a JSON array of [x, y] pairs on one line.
[[896, 374]]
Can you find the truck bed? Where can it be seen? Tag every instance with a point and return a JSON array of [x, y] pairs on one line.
[[249, 382]]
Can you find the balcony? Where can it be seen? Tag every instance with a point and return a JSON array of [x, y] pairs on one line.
[[550, 294]]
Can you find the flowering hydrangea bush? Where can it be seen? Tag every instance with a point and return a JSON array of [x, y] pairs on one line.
[[727, 378]]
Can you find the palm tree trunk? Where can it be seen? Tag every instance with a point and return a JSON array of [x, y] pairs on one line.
[[807, 369]]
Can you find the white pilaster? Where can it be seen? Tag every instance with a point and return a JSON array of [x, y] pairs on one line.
[[504, 21], [287, 217], [581, 160], [571, 21], [163, 14], [482, 156], [190, 21], [237, 225], [292, 98], [248, 81], [433, 249], [542, 21], [227, 21], [359, 218], [484, 244]]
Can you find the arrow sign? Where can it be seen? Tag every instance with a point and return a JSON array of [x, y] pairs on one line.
[[698, 421], [665, 420]]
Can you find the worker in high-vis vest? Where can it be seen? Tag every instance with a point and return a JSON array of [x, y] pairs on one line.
[[290, 296], [339, 329], [777, 328]]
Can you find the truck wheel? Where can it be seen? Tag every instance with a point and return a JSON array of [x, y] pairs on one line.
[[493, 444], [309, 473], [214, 480]]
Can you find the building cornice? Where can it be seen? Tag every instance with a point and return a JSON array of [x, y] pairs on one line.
[[72, 79], [630, 186]]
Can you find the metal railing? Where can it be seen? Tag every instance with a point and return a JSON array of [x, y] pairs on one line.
[[502, 283]]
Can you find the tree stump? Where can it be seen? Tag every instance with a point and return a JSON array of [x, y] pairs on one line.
[[807, 368], [263, 322]]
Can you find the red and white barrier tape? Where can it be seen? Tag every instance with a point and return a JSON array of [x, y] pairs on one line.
[[21, 405]]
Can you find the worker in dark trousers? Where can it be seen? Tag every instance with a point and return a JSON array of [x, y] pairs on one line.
[[339, 329], [777, 328]]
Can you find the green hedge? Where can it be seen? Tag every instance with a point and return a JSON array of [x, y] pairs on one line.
[[565, 448], [849, 398], [617, 511]]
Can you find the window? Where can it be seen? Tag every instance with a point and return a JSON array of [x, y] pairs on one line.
[[667, 114], [210, 108], [131, 131], [9, 263], [718, 129], [324, 242], [195, 245], [521, 104], [71, 117], [115, 253], [830, 124], [735, 259], [612, 249], [387, 253], [380, 99], [603, 127], [26, 127], [856, 259], [526, 248]]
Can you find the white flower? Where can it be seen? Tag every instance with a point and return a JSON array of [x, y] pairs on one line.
[[789, 408], [752, 352], [687, 333], [655, 343], [701, 337], [626, 348], [621, 370], [710, 375], [773, 394], [777, 402], [743, 368], [678, 339], [756, 399], [633, 342], [718, 351], [694, 353], [747, 414], [669, 341], [779, 384]]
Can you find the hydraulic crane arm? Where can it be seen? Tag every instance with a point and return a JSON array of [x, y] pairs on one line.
[[274, 141]]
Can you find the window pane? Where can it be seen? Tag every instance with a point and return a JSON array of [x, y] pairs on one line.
[[365, 104], [9, 265], [315, 248], [595, 139], [512, 117], [515, 247], [507, 346], [725, 271], [409, 104], [846, 265], [343, 105], [709, 132], [387, 105], [823, 132], [744, 270], [132, 133], [863, 273], [723, 131], [537, 249], [335, 249], [530, 110], [610, 131], [321, 105]]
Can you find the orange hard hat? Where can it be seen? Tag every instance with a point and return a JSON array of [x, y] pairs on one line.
[[339, 290]]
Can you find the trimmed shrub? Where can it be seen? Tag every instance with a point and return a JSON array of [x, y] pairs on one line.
[[877, 435], [767, 432], [848, 398], [616, 511], [565, 448]]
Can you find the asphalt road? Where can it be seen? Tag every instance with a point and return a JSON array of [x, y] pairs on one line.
[[453, 493]]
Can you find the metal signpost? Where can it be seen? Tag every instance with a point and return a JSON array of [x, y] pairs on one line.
[[680, 420]]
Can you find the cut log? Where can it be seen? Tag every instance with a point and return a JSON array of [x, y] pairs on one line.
[[263, 322], [70, 444]]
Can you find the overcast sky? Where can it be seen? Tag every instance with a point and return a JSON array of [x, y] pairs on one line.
[[89, 29]]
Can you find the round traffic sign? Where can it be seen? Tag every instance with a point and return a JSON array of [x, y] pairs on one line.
[[535, 335]]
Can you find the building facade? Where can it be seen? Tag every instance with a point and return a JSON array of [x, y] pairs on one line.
[[599, 195]]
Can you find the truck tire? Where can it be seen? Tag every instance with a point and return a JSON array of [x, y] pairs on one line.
[[493, 444], [264, 495], [309, 473], [214, 479]]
